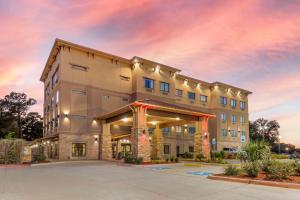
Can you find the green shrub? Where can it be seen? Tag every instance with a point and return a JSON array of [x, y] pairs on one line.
[[2, 159], [187, 155], [167, 159], [129, 158], [255, 151], [38, 158], [279, 156], [265, 165], [11, 157], [297, 166], [200, 157], [252, 168], [172, 159], [231, 170], [176, 160], [222, 154], [139, 160], [279, 170]]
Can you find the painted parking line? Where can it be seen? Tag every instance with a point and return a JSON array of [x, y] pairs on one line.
[[199, 173], [159, 168]]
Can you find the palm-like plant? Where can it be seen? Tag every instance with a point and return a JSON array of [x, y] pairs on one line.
[[255, 151]]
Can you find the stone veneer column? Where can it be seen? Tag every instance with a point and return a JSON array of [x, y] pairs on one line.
[[139, 134], [201, 138], [157, 143], [106, 147]]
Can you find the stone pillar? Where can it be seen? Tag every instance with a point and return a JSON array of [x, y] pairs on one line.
[[139, 134], [157, 144], [201, 138], [106, 148]]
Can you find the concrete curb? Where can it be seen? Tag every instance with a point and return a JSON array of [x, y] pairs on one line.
[[256, 182]]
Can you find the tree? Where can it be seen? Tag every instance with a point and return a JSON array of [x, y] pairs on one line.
[[17, 104], [32, 126], [262, 129], [7, 122]]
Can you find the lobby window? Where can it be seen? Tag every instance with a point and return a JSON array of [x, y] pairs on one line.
[[149, 83], [233, 103], [224, 132], [166, 131], [223, 117], [191, 149], [233, 133], [55, 77], [242, 105], [192, 95], [223, 101], [166, 149], [164, 87], [203, 98], [78, 149], [178, 129], [233, 119], [179, 92], [242, 119]]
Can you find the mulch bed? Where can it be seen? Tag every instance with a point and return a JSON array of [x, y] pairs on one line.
[[292, 182]]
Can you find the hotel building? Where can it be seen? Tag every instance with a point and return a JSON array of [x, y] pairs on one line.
[[99, 106]]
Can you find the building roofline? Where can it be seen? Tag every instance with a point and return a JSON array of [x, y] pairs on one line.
[[230, 86]]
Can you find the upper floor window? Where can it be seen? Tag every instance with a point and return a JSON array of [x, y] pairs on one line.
[[242, 105], [166, 149], [233, 103], [164, 87], [179, 92], [192, 95], [223, 117], [166, 131], [233, 119], [223, 100], [55, 78], [47, 89], [192, 130], [178, 129], [224, 132], [242, 119], [203, 98], [149, 83]]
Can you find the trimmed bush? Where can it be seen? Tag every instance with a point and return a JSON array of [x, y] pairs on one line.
[[279, 170], [297, 167], [128, 158], [252, 168], [187, 155], [176, 160], [38, 158], [231, 170], [200, 157], [139, 160]]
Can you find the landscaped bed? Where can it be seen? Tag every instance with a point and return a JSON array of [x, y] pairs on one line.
[[261, 179]]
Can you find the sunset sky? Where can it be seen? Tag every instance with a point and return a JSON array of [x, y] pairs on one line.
[[252, 44]]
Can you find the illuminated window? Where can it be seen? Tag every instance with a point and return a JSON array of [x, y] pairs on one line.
[[149, 83], [178, 129], [179, 92], [192, 95], [233, 103], [203, 98], [164, 87], [78, 149], [223, 101]]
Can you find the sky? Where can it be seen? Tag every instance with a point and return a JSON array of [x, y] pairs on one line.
[[252, 44]]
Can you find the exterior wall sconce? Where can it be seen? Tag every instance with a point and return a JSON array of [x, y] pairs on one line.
[[205, 135], [150, 139], [66, 115]]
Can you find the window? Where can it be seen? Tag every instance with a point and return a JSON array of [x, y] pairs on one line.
[[149, 83], [233, 119], [203, 98], [192, 130], [166, 149], [166, 131], [191, 149], [192, 95], [233, 103], [243, 136], [233, 133], [178, 129], [164, 87], [242, 119], [151, 131], [55, 77], [223, 117], [223, 101], [78, 149], [224, 132], [179, 92], [242, 105], [79, 67], [47, 89]]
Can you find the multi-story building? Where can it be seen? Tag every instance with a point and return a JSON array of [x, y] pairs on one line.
[[97, 105]]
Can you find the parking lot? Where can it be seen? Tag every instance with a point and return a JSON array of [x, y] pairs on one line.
[[106, 180]]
